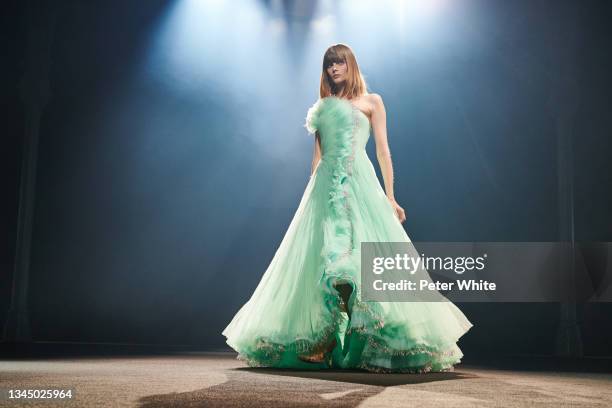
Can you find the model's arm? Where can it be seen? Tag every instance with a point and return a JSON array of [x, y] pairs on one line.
[[317, 153], [383, 153]]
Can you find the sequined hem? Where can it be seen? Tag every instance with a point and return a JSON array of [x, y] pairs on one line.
[[269, 355]]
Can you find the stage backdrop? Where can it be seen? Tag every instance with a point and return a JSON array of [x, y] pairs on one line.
[[172, 154]]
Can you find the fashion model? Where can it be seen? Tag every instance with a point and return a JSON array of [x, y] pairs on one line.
[[307, 311]]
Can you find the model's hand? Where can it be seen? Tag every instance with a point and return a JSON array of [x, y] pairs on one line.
[[399, 211]]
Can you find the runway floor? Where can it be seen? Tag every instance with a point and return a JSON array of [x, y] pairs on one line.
[[217, 379]]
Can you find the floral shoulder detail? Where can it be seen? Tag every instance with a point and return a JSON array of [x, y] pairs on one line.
[[312, 117]]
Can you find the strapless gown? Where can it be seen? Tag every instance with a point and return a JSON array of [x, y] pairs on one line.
[[295, 308]]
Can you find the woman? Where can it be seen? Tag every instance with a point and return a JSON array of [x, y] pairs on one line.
[[307, 311]]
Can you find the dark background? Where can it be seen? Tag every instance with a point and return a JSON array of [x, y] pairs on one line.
[[156, 214]]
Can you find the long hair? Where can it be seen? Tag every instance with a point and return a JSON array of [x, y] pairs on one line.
[[355, 85]]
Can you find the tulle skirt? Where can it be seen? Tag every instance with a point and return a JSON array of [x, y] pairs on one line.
[[296, 310]]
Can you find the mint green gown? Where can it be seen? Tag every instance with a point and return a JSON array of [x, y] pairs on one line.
[[295, 308]]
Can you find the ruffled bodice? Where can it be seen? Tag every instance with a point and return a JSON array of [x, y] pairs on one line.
[[344, 128]]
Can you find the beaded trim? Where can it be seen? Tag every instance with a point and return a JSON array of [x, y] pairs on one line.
[[349, 171], [266, 353]]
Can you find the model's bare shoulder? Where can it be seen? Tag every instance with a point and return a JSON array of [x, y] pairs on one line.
[[375, 104], [375, 99]]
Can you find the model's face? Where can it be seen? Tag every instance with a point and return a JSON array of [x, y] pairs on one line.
[[337, 71]]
